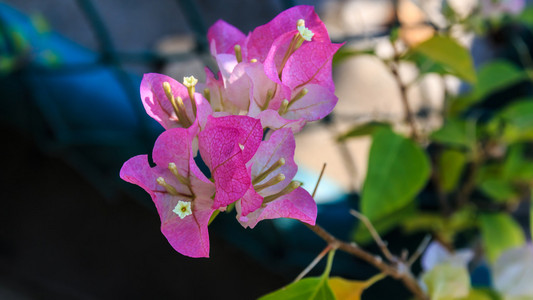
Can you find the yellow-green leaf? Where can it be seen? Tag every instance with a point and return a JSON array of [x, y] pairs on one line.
[[447, 282], [443, 53], [500, 232], [345, 289]]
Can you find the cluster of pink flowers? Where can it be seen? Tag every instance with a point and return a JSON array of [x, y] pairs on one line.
[[271, 82]]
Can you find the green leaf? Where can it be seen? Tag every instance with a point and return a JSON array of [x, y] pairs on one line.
[[351, 289], [531, 216], [313, 288], [499, 190], [500, 232], [517, 121], [363, 129], [397, 170], [447, 282], [526, 16], [481, 294], [516, 167], [450, 167], [454, 132], [443, 54], [491, 77]]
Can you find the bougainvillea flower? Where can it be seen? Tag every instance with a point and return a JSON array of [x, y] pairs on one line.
[[223, 37], [168, 102], [271, 119], [181, 193], [272, 193], [284, 26], [217, 95], [226, 145]]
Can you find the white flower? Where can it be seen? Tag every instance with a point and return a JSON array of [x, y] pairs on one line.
[[183, 209]]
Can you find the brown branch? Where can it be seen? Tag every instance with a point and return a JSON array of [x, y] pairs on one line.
[[382, 245], [398, 271], [394, 67]]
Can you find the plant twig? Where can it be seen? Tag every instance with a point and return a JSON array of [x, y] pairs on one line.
[[319, 179], [423, 245], [313, 263], [394, 67], [400, 273], [382, 245]]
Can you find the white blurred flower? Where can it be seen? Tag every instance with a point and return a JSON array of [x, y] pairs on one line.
[[436, 254], [513, 273]]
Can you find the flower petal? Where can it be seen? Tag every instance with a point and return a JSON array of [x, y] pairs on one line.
[[189, 236], [280, 145], [223, 37], [297, 205], [315, 105], [261, 39], [221, 153], [311, 63]]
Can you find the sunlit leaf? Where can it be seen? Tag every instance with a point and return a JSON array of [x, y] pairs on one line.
[[447, 282], [500, 232], [397, 170], [443, 54], [312, 288], [363, 129], [480, 294], [345, 289]]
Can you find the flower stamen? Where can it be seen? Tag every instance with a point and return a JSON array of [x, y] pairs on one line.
[[272, 168], [190, 82], [170, 189], [174, 170], [284, 106], [238, 53], [273, 181], [177, 105], [288, 189]]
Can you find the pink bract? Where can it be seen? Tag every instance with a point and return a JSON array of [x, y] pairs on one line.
[[297, 204], [262, 38], [226, 144], [158, 106], [189, 236]]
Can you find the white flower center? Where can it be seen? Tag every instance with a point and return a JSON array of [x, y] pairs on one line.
[[183, 209]]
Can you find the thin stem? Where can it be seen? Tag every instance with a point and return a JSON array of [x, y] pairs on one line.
[[409, 117], [402, 273], [382, 245], [423, 245], [318, 181], [313, 263]]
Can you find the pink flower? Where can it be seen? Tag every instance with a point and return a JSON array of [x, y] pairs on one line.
[[169, 103], [226, 145], [272, 193], [181, 192], [288, 58]]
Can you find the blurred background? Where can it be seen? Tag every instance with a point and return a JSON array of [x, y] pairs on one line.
[[71, 115]]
